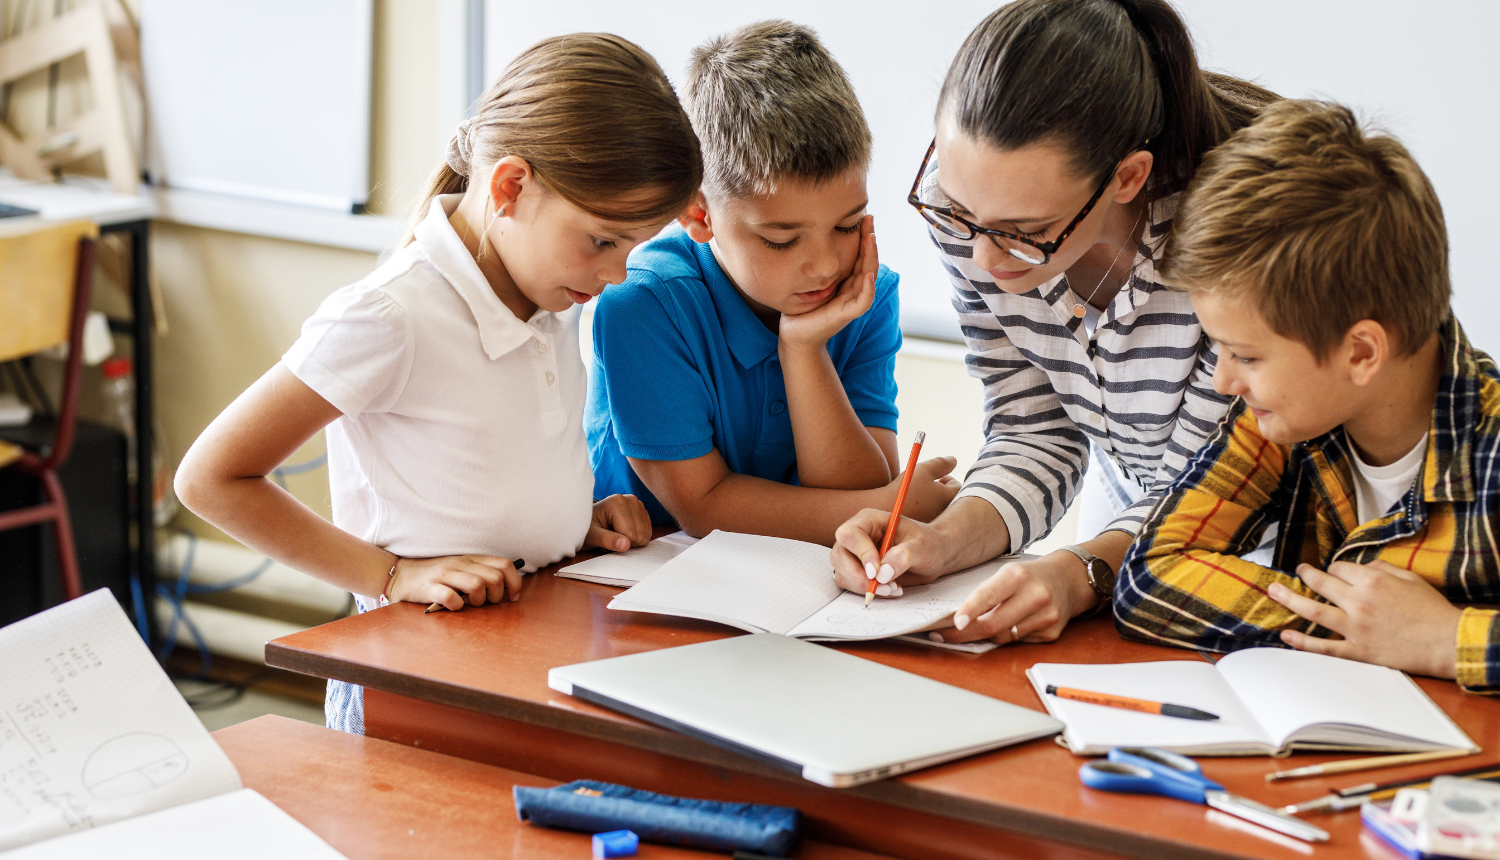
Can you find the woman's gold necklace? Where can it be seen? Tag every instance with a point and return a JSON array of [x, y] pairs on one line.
[[1078, 308]]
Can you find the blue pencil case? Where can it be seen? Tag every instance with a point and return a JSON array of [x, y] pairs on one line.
[[595, 807]]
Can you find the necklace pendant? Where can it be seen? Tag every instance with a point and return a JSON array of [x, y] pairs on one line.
[[1079, 310]]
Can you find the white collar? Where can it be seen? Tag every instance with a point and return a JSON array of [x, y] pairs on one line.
[[499, 329]]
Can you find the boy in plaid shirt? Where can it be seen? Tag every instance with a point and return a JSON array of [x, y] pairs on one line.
[[1365, 426]]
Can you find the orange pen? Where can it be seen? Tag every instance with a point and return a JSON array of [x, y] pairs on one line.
[[890, 527], [1129, 704]]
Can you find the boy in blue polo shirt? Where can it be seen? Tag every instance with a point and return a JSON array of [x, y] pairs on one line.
[[744, 371]]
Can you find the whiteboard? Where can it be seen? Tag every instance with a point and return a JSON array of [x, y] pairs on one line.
[[267, 99], [1431, 75]]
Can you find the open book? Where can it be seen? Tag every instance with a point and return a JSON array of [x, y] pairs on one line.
[[93, 732], [1269, 701], [776, 585], [624, 569]]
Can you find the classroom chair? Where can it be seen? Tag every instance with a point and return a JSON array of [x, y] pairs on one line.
[[46, 279]]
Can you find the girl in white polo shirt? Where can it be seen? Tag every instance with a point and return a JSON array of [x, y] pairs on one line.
[[450, 380]]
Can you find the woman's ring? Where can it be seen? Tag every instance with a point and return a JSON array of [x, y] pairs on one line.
[[1014, 633]]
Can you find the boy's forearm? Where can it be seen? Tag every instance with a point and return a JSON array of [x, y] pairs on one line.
[[834, 449], [741, 503]]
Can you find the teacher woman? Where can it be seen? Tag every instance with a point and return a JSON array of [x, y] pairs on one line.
[[1066, 129]]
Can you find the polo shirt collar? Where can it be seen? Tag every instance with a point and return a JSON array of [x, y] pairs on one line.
[[750, 342], [499, 329]]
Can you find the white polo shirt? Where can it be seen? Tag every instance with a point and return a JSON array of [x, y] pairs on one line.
[[462, 426]]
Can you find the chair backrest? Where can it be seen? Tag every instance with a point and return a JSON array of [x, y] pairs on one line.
[[38, 272]]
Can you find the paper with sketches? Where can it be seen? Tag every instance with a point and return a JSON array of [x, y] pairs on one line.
[[91, 729]]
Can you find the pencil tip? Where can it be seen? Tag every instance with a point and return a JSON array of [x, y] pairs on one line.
[[869, 596], [428, 610]]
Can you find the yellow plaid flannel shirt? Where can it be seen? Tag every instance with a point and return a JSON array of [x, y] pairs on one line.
[[1183, 581]]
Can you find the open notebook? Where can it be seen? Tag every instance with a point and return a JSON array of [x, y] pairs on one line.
[[1269, 701], [776, 585], [93, 732], [624, 569]]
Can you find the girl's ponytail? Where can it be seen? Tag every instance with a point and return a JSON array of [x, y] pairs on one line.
[[1101, 77], [594, 116]]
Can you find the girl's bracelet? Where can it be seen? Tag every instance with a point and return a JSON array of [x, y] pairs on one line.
[[390, 577]]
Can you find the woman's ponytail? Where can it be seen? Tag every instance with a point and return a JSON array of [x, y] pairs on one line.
[[1101, 77]]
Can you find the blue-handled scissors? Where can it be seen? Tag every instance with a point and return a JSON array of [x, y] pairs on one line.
[[1144, 770]]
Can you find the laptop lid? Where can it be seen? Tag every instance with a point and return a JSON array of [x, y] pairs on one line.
[[838, 719]]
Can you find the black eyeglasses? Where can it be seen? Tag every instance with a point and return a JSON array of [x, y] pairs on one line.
[[1023, 249]]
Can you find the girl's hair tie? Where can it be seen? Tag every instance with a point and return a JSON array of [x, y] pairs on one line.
[[459, 149]]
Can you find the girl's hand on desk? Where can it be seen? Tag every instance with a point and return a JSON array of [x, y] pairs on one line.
[[1034, 598], [620, 522], [451, 580]]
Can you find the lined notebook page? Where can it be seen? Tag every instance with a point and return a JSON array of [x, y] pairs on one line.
[[91, 729], [918, 608], [633, 565], [240, 825], [751, 582]]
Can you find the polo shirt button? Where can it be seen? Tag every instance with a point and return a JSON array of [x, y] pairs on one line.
[[777, 407], [550, 377], [541, 347]]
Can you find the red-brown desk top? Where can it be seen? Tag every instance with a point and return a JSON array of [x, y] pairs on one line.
[[371, 799], [474, 684]]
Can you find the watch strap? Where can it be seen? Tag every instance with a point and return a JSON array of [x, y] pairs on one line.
[[1101, 577]]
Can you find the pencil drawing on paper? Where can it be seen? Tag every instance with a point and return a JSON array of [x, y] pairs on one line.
[[132, 764]]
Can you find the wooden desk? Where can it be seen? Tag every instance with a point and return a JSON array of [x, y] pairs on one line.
[[371, 799], [473, 684]]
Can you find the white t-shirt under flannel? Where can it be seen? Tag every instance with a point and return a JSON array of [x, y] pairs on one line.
[[462, 426], [1139, 386]]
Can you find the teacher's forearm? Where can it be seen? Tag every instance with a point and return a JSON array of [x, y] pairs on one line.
[[973, 532]]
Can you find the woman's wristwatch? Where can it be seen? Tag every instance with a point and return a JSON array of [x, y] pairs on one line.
[[1101, 577]]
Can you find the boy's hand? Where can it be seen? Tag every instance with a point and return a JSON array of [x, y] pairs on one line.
[[455, 579], [850, 300], [1386, 615], [620, 522]]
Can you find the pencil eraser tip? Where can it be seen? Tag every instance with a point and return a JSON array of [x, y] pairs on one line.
[[616, 843]]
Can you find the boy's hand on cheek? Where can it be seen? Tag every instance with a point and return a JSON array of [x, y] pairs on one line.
[[1386, 615], [619, 523], [853, 296]]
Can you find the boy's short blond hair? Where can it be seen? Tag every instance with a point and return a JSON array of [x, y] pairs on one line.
[[1320, 224], [768, 102]]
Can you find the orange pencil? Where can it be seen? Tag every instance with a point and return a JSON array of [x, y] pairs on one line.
[[1130, 704], [890, 527]]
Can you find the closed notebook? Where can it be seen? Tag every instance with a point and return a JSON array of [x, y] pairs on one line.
[[776, 585], [1269, 701]]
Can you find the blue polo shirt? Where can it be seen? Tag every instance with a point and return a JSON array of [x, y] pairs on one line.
[[682, 366]]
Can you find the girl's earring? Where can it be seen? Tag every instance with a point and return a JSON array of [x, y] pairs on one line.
[[501, 213]]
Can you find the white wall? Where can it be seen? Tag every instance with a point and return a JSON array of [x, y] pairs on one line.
[[1430, 72]]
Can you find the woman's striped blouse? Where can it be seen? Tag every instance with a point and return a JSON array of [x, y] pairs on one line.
[[1141, 391]]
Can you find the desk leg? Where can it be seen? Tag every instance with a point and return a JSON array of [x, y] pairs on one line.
[[831, 815], [143, 322]]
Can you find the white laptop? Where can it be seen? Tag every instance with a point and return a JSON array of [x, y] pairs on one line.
[[838, 719]]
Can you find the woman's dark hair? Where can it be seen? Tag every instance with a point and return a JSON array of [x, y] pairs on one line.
[[1101, 77]]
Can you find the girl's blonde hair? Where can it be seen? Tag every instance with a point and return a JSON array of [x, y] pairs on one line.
[[595, 118]]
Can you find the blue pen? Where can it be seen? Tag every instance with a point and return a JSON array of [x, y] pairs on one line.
[[1144, 770]]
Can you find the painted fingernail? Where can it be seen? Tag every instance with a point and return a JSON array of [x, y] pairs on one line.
[[960, 621], [887, 573], [896, 590], [883, 590], [869, 570]]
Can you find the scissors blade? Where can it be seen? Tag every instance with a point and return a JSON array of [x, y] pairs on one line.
[[1265, 816]]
